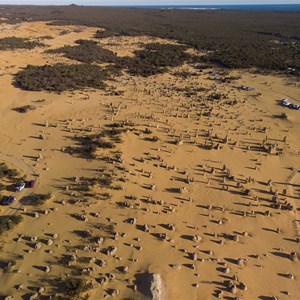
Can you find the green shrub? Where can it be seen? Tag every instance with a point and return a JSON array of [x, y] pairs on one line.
[[74, 286], [9, 222], [25, 108], [37, 199], [5, 171], [282, 116]]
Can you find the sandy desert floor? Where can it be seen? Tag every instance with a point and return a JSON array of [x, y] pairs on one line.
[[203, 192]]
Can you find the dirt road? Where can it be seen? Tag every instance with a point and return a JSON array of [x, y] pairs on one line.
[[28, 171]]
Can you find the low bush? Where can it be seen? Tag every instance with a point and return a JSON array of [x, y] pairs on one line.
[[85, 42], [37, 199], [5, 171], [46, 37], [282, 116], [74, 286], [25, 108], [9, 222]]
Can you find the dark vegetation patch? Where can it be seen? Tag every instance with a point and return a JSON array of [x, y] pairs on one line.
[[216, 96], [184, 74], [9, 222], [61, 77], [229, 79], [8, 177], [7, 172], [190, 91], [88, 145], [282, 116], [85, 42], [25, 108], [242, 43], [73, 287], [265, 56], [87, 51], [12, 43], [154, 59], [36, 199], [46, 37], [237, 39]]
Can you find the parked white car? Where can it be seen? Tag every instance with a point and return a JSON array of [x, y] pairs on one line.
[[285, 102], [20, 186]]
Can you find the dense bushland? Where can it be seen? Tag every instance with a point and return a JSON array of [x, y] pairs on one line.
[[154, 59], [61, 77], [268, 40], [86, 51], [13, 43]]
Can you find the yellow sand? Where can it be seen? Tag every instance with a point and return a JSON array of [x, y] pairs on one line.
[[153, 172]]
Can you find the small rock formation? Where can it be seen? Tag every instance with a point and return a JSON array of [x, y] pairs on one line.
[[152, 286], [49, 242], [293, 256], [37, 246], [47, 269], [156, 287]]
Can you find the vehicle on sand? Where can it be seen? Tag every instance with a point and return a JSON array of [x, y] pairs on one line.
[[20, 186], [8, 200]]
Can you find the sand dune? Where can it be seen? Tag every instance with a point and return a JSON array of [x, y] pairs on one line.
[[199, 191]]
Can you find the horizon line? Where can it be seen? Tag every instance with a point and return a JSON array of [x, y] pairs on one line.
[[153, 5]]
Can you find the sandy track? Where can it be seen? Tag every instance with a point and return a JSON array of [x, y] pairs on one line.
[[27, 170]]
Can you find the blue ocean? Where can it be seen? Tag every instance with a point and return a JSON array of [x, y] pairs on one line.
[[291, 7]]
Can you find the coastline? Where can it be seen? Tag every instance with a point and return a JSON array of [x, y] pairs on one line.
[[261, 7]]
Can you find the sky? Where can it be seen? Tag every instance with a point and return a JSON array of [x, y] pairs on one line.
[[147, 2]]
